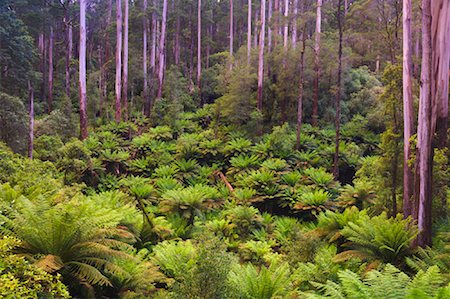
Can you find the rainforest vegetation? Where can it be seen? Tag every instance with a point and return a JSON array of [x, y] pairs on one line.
[[224, 149]]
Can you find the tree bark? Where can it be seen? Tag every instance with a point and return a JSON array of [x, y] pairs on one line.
[[199, 43], [286, 24], [231, 30], [315, 107], [261, 56], [82, 71], [125, 63], [177, 40], [69, 45], [31, 120], [424, 132], [408, 110], [269, 29], [276, 11], [50, 70], [118, 114], [144, 60], [249, 30], [301, 83], [294, 24], [337, 121], [162, 51]]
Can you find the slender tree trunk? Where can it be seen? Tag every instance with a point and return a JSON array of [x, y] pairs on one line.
[[286, 24], [69, 49], [276, 10], [315, 108], [177, 40], [144, 60], [125, 63], [269, 28], [408, 111], [300, 90], [31, 120], [255, 34], [294, 24], [101, 81], [50, 70], [377, 64], [249, 30], [199, 43], [153, 49], [231, 30], [424, 132], [161, 51], [118, 114], [337, 121], [82, 71], [261, 56]]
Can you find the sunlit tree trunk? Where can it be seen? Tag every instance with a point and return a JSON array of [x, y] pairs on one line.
[[31, 120], [294, 24], [144, 59], [269, 29], [249, 30], [82, 71], [118, 114], [261, 56], [125, 63], [50, 70], [199, 42], [315, 106], [162, 51], [286, 24], [153, 49], [301, 83], [337, 121], [408, 112], [424, 132], [69, 46], [276, 11], [231, 30]]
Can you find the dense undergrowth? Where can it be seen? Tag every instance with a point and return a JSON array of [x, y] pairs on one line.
[[199, 209]]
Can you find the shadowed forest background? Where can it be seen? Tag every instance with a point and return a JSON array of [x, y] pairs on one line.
[[224, 149]]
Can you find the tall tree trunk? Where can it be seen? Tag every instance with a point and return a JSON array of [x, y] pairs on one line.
[[69, 47], [101, 81], [269, 29], [82, 71], [125, 63], [286, 24], [153, 49], [315, 108], [31, 120], [276, 12], [294, 24], [261, 56], [337, 121], [144, 59], [199, 42], [231, 30], [256, 29], [50, 70], [301, 79], [177, 40], [408, 111], [118, 114], [424, 132], [162, 51], [249, 30]]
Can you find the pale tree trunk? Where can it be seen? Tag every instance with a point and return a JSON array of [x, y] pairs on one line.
[[424, 132], [261, 56], [255, 34], [315, 107], [153, 49], [377, 64], [337, 121], [286, 24], [161, 51], [118, 114], [276, 11], [50, 70], [231, 31], [199, 42], [41, 47], [177, 40], [82, 71], [294, 24], [269, 29], [249, 30], [31, 120], [69, 45], [125, 63], [408, 112], [101, 81], [301, 83], [144, 60], [104, 66]]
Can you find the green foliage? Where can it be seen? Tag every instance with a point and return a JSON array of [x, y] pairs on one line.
[[13, 121]]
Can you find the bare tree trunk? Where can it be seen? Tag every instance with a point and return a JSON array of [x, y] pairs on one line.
[[424, 132], [153, 49], [269, 30], [408, 112], [50, 70], [125, 63], [144, 60], [286, 24], [199, 42], [301, 79], [177, 40], [337, 121], [294, 24], [82, 71], [261, 56], [118, 114], [101, 81], [161, 51], [377, 64], [255, 34], [315, 108], [231, 30], [31, 120], [276, 11], [249, 30], [69, 49]]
